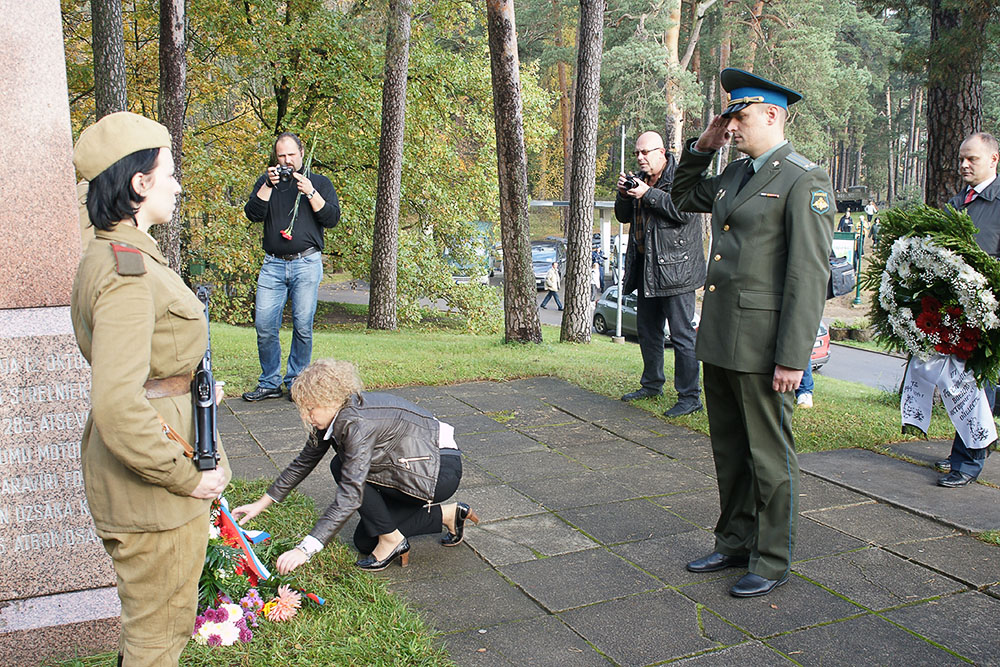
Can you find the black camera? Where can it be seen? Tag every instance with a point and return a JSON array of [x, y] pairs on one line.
[[285, 172], [633, 180]]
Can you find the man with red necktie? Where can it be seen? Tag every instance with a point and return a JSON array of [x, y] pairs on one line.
[[980, 198]]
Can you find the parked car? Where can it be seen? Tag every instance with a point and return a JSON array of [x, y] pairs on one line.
[[476, 263], [606, 314], [821, 348], [543, 253]]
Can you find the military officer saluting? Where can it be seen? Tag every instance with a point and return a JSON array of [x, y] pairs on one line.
[[772, 228]]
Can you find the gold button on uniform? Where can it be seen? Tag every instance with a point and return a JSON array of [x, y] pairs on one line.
[[718, 257], [711, 288], [725, 228]]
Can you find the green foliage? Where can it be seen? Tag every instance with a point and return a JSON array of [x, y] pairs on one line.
[[220, 560], [482, 306], [260, 68]]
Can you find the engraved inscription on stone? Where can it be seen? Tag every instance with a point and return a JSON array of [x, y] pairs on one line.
[[47, 538]]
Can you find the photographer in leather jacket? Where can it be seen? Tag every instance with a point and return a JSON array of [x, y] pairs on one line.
[[665, 262], [395, 464]]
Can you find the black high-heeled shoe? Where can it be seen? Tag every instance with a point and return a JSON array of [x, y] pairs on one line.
[[462, 512], [402, 551]]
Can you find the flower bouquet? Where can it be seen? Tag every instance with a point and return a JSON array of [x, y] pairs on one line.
[[235, 571], [936, 299]]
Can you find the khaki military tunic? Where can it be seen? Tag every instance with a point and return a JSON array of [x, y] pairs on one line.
[[134, 320]]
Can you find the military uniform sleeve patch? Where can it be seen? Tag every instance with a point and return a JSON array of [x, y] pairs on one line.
[[820, 201], [801, 161], [128, 261]]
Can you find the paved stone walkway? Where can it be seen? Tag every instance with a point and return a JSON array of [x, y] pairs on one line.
[[591, 507]]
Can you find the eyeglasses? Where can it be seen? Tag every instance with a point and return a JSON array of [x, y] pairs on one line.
[[646, 151]]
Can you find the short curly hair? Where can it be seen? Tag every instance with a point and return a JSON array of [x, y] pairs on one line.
[[325, 383]]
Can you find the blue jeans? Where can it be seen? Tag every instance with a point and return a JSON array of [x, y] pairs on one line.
[[280, 279], [806, 386], [550, 295]]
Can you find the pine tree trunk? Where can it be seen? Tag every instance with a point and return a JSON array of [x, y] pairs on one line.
[[954, 99], [173, 81], [109, 57], [756, 35], [672, 126], [891, 181], [521, 322], [565, 119], [385, 241], [576, 323]]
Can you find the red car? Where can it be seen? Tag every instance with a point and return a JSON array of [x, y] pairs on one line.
[[821, 348]]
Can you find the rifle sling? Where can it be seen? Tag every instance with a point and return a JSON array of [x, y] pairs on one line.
[[171, 434]]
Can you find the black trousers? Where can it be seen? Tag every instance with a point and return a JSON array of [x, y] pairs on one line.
[[677, 311], [384, 510]]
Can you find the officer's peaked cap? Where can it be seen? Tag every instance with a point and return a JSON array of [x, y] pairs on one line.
[[745, 89]]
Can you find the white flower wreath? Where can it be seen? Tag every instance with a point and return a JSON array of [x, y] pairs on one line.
[[917, 262]]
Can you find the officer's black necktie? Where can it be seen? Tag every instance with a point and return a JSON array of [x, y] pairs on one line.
[[746, 176]]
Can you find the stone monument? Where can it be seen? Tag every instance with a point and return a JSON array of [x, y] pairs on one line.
[[57, 591]]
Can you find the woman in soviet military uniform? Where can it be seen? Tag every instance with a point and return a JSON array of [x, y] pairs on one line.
[[143, 332]]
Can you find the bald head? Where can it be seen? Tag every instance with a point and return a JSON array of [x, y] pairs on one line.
[[650, 154], [650, 139]]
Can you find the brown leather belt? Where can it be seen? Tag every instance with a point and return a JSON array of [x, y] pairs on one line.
[[178, 385]]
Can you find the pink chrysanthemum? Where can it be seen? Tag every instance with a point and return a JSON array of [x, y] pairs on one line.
[[286, 605], [214, 640], [246, 635]]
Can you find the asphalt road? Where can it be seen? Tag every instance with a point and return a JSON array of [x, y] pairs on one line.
[[874, 369], [882, 371]]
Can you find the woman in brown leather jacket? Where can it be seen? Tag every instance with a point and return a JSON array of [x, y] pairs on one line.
[[394, 464]]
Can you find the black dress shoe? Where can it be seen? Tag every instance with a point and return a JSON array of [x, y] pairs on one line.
[[715, 561], [753, 585], [641, 393], [944, 465], [955, 479], [462, 512], [681, 409], [402, 552], [260, 393]]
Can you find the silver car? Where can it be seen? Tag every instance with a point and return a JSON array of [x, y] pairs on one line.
[[606, 313]]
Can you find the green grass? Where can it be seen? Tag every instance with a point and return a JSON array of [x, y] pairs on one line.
[[360, 624], [846, 414]]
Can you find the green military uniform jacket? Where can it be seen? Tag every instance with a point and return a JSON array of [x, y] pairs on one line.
[[769, 264], [134, 320]]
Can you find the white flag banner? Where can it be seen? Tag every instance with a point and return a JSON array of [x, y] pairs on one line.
[[965, 402]]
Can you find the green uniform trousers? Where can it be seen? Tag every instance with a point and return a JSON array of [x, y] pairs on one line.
[[158, 576], [756, 467]]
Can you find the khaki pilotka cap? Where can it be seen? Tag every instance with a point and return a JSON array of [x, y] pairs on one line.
[[113, 137]]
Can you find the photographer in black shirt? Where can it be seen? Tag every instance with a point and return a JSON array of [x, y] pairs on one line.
[[293, 264]]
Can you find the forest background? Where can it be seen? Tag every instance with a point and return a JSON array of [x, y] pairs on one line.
[[316, 67]]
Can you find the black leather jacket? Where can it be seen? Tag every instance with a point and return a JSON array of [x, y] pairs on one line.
[[674, 261], [380, 439]]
